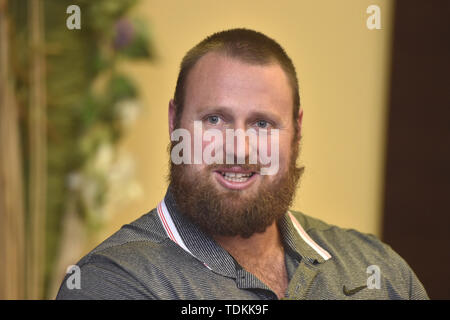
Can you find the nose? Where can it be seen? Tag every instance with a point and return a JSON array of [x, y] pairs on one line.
[[240, 144]]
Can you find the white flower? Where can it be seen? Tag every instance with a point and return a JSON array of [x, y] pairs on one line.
[[103, 158], [122, 184], [74, 181], [128, 111]]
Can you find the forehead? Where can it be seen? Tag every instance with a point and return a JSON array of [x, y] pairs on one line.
[[219, 80]]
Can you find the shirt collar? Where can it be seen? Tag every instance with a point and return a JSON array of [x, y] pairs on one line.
[[200, 245], [298, 240], [194, 241]]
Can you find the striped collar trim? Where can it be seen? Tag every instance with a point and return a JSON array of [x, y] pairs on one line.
[[171, 229], [172, 232], [306, 238]]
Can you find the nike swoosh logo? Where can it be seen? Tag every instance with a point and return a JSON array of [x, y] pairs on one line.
[[352, 291]]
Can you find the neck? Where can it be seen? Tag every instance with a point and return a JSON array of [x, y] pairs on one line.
[[257, 246]]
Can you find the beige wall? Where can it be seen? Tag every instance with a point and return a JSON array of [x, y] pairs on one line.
[[343, 73]]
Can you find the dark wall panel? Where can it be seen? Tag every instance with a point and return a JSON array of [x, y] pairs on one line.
[[417, 191]]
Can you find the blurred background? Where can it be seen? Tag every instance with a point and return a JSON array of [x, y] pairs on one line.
[[84, 128]]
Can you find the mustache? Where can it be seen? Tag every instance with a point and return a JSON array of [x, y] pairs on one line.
[[246, 167]]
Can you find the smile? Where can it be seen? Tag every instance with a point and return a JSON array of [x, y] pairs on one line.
[[235, 178]]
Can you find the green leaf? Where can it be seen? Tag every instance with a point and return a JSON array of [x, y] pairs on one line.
[[120, 87]]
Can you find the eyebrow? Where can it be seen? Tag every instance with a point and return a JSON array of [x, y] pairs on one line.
[[225, 111], [215, 109]]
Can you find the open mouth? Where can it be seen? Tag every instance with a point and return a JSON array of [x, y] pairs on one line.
[[235, 178]]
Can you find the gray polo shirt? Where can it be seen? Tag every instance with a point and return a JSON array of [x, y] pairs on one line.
[[163, 255]]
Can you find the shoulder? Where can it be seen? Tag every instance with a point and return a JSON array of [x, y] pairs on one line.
[[141, 239], [338, 239], [145, 229], [354, 252], [115, 268]]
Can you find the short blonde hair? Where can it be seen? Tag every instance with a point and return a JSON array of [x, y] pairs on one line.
[[246, 45]]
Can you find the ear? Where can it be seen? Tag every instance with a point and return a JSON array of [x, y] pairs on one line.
[[172, 115], [299, 123]]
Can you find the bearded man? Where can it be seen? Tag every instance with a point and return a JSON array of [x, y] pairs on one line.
[[224, 229]]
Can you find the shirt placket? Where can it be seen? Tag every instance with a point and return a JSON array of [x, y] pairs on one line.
[[302, 281]]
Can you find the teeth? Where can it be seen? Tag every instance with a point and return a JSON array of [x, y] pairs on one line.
[[236, 177]]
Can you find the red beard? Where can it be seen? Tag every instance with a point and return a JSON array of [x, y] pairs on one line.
[[229, 213]]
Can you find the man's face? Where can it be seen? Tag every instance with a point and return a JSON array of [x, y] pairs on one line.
[[225, 93]]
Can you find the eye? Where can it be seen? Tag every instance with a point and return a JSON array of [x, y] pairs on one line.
[[262, 124], [213, 119]]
